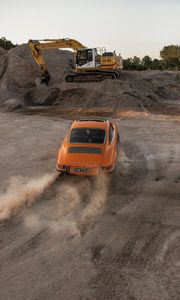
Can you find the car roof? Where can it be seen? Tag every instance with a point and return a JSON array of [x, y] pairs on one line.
[[91, 123]]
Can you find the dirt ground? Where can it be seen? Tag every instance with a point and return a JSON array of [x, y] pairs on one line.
[[112, 237]]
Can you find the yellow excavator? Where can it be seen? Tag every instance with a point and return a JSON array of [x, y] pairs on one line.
[[91, 64]]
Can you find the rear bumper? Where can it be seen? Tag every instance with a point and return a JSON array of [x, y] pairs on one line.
[[85, 171]]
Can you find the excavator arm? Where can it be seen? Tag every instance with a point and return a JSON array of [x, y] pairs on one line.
[[37, 47]]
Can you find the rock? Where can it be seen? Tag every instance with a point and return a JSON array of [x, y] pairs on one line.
[[19, 72], [40, 97]]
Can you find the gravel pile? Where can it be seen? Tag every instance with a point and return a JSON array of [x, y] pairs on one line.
[[133, 90]]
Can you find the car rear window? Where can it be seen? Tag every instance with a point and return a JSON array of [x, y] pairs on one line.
[[87, 136]]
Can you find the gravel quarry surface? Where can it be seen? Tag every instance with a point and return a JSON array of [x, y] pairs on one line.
[[112, 237]]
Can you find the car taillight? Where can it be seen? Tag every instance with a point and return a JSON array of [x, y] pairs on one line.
[[106, 168], [61, 166]]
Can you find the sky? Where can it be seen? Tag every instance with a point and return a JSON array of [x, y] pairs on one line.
[[131, 27]]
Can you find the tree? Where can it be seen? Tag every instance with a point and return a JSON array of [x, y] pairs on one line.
[[132, 63], [169, 52], [136, 63], [146, 62], [171, 57], [170, 60], [6, 44], [127, 64], [155, 64]]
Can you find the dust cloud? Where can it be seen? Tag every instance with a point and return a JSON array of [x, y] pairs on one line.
[[32, 221], [97, 201], [99, 192], [69, 197], [22, 192], [85, 198], [124, 162]]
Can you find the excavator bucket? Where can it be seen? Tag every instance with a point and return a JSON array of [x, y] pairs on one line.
[[44, 80]]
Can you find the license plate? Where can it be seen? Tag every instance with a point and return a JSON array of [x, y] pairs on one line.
[[81, 170]]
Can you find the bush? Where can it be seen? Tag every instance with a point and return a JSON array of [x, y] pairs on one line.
[[6, 44]]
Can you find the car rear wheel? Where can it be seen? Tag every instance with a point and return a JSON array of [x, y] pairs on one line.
[[118, 138]]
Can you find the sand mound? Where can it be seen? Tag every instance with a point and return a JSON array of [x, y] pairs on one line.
[[135, 90]]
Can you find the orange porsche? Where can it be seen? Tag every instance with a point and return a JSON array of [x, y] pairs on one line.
[[89, 148]]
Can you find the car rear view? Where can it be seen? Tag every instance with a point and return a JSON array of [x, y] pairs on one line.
[[84, 148]]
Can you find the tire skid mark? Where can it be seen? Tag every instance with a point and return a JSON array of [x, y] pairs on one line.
[[168, 241], [138, 253], [29, 245]]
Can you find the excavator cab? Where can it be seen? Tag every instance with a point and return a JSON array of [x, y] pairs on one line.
[[85, 57], [93, 58]]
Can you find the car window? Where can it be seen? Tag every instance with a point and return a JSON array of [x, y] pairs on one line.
[[87, 136], [111, 133]]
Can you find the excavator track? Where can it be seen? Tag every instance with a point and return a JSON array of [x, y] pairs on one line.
[[92, 76]]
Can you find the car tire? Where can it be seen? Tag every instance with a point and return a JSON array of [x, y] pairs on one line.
[[118, 138]]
